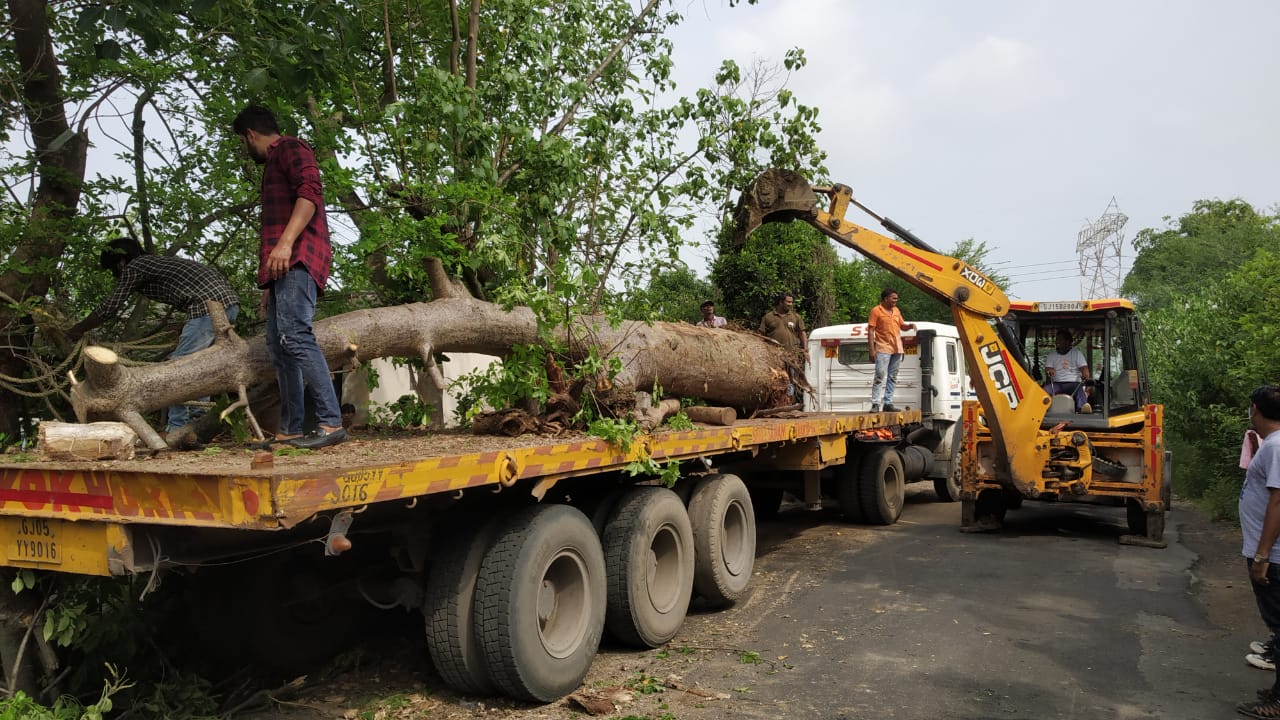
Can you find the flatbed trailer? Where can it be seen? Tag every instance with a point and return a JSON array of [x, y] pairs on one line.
[[517, 550]]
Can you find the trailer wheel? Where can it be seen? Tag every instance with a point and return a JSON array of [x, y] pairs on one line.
[[882, 486], [648, 549], [449, 608], [540, 602], [948, 488], [724, 539]]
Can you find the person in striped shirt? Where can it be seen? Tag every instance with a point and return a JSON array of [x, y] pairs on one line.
[[178, 282]]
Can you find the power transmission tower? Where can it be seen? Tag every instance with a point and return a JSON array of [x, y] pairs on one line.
[[1099, 246]]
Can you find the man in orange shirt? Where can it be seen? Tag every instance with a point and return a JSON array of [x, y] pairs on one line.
[[884, 330]]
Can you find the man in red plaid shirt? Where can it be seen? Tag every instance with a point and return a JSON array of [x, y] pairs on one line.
[[294, 261]]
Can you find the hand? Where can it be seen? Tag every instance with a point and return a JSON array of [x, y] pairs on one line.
[[1258, 572], [278, 260]]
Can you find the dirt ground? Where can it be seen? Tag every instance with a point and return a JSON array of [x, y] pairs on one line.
[[714, 669]]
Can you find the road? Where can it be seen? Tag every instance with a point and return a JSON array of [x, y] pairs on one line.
[[1050, 619]]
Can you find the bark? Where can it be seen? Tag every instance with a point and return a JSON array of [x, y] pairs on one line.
[[723, 367], [60, 154]]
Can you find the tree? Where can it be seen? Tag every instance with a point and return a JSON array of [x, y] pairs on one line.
[[527, 148], [777, 258], [675, 295], [1205, 244]]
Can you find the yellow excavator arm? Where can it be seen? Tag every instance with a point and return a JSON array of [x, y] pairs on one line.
[[1013, 402]]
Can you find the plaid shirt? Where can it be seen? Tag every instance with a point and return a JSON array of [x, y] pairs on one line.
[[184, 284], [291, 173]]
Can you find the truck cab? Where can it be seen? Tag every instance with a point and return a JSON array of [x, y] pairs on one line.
[[931, 379]]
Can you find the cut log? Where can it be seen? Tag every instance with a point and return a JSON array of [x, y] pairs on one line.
[[94, 441], [711, 415], [734, 369]]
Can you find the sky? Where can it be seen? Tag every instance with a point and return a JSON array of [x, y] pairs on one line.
[[1016, 122]]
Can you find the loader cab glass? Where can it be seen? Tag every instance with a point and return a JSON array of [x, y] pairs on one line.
[[1108, 338]]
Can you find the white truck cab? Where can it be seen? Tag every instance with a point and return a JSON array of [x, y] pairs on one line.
[[931, 378]]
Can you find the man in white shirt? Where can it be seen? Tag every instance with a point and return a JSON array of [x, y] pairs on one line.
[[1067, 369], [709, 317]]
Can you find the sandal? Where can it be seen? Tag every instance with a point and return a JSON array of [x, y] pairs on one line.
[[1268, 709]]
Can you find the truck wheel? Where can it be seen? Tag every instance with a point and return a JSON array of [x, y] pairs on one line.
[[540, 602], [449, 608], [881, 485], [724, 539], [648, 550], [948, 488]]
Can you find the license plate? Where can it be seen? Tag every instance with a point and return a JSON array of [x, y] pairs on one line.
[[34, 540], [911, 350]]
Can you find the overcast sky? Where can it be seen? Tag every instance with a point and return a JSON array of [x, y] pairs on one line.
[[1016, 122]]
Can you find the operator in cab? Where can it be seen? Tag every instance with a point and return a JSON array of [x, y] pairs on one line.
[[1067, 370]]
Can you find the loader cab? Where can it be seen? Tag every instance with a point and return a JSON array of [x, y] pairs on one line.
[[1109, 335]]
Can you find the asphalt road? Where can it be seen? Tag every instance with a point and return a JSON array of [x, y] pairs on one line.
[[1051, 618]]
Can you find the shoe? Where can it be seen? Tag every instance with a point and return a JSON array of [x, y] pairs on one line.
[[875, 407], [1086, 409], [1260, 647], [1261, 661], [1261, 709], [889, 407], [320, 439]]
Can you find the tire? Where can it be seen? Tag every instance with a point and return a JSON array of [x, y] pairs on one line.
[[648, 550], [449, 609], [540, 602], [881, 486], [724, 539], [948, 489]]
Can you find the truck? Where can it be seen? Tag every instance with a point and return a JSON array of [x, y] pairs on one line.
[[519, 552], [932, 378], [1021, 442]]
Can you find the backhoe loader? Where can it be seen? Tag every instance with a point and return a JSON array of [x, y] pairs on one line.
[[1020, 442]]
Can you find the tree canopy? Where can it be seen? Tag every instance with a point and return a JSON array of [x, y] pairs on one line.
[[536, 151]]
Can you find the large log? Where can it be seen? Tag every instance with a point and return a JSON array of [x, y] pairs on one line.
[[723, 367]]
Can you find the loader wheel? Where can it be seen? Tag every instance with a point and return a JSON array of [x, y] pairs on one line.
[[881, 486], [724, 539], [648, 549], [540, 602], [449, 608]]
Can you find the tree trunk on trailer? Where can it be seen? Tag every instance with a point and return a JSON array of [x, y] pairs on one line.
[[723, 367]]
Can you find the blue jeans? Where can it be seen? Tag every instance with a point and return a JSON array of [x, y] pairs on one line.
[[197, 334], [886, 377], [292, 347]]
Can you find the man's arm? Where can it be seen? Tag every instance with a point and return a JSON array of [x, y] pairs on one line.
[[278, 261]]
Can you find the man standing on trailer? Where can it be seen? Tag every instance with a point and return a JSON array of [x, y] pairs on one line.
[[294, 262], [885, 329]]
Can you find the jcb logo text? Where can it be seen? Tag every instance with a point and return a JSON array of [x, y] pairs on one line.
[[998, 371]]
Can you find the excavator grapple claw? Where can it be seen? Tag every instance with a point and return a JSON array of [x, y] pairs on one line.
[[776, 195]]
